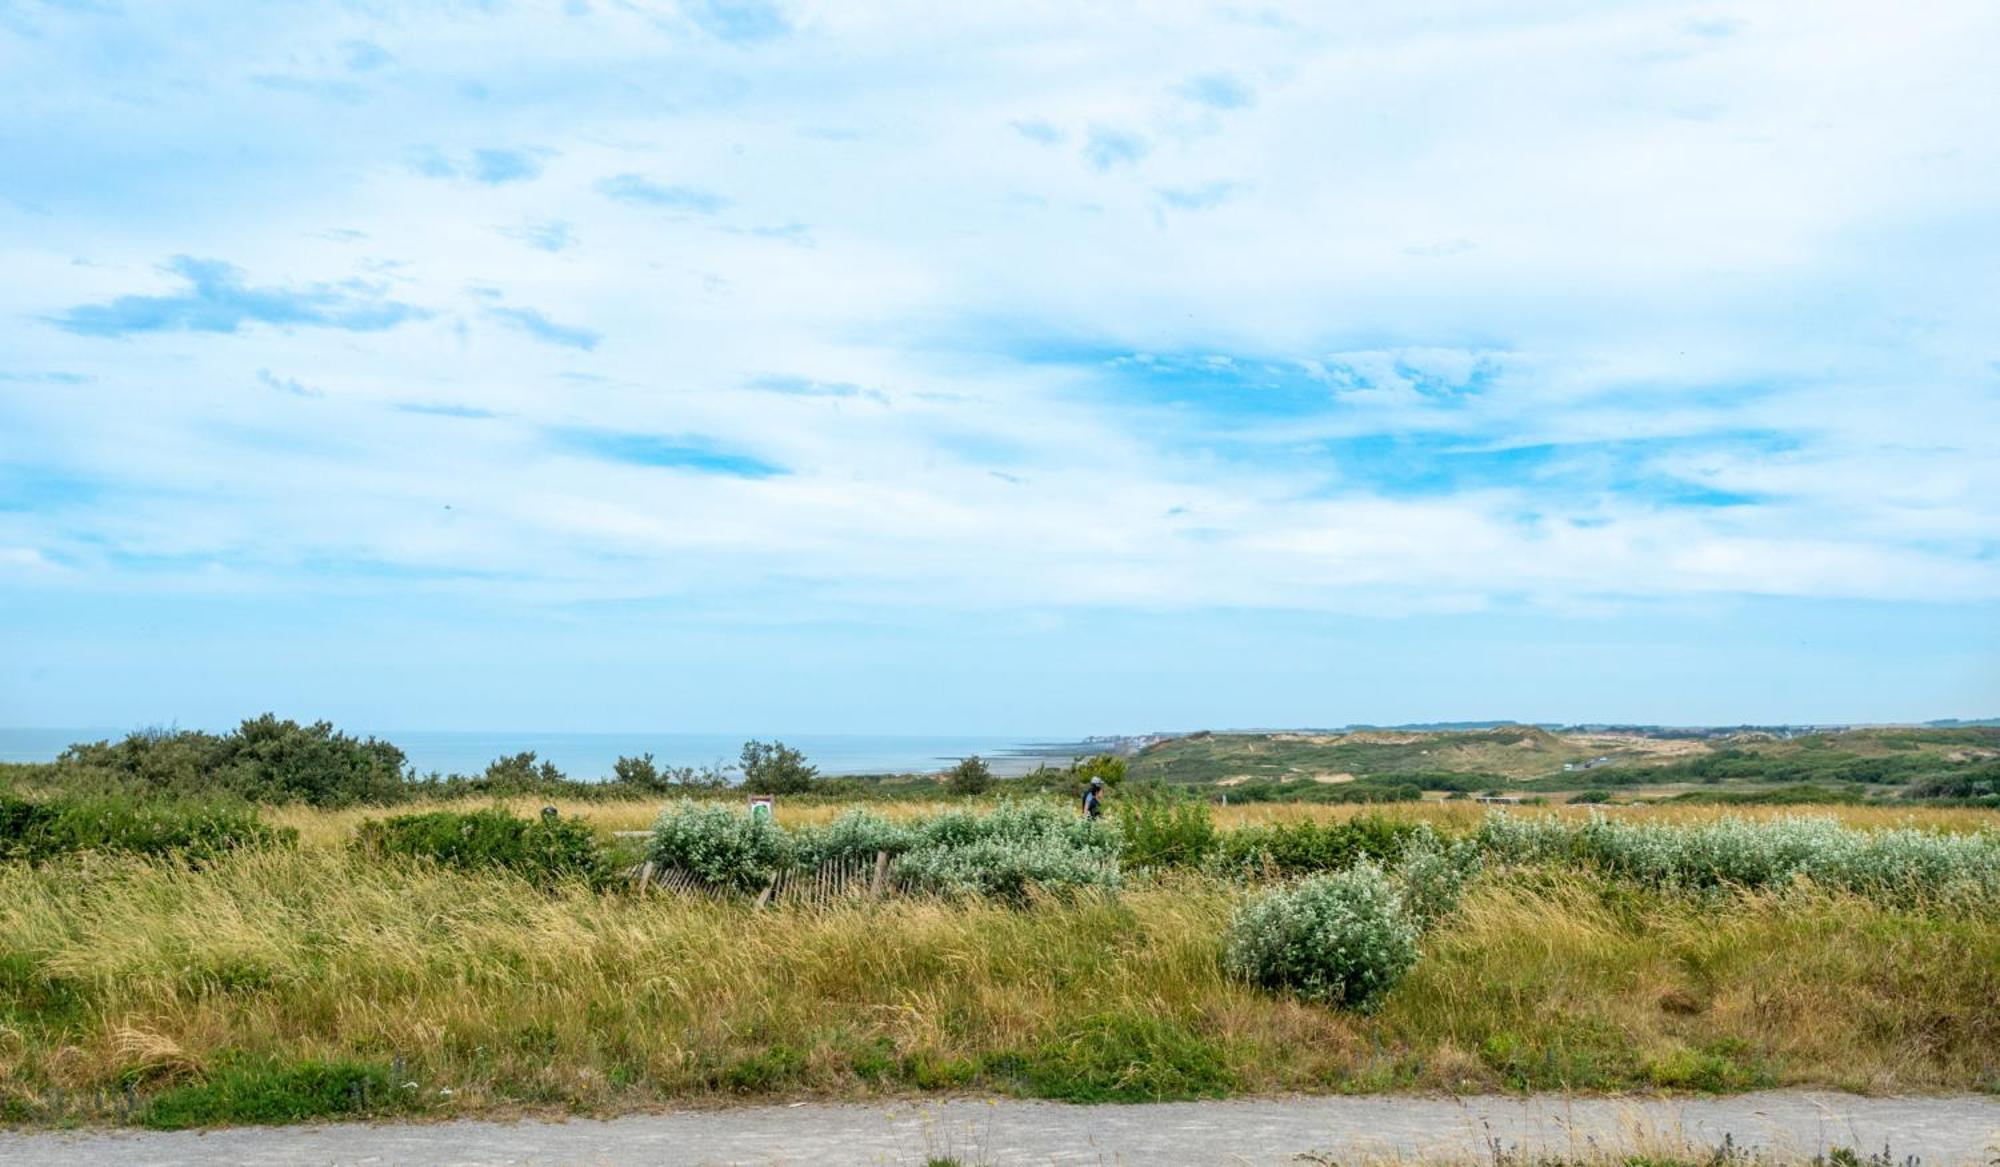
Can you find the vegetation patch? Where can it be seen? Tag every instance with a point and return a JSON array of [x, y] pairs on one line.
[[269, 1092], [1120, 1057], [1899, 864], [1007, 853], [1342, 939], [38, 830], [546, 850]]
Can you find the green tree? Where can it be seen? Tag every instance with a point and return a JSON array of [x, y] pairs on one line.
[[639, 772], [1105, 766], [519, 772], [971, 776], [776, 768]]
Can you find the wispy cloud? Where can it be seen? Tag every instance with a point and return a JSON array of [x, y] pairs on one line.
[[289, 385], [1199, 198], [491, 165], [1218, 91], [466, 412], [218, 300], [637, 188], [540, 327], [1106, 147], [670, 452], [808, 387], [738, 21], [544, 235], [1037, 130], [363, 56], [1340, 319]]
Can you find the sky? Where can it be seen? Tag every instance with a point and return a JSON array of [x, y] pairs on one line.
[[746, 365]]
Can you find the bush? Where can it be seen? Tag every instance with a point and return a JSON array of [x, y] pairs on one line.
[[1005, 852], [1006, 869], [1002, 854], [721, 847], [1342, 939], [546, 850], [522, 773], [856, 834], [776, 769], [1106, 766], [1166, 832], [1897, 864], [1432, 875], [37, 831], [1300, 848], [1980, 781], [264, 760], [971, 776]]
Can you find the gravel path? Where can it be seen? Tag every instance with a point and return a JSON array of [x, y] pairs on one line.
[[1942, 1132]]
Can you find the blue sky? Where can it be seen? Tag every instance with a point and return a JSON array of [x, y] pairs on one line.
[[776, 367]]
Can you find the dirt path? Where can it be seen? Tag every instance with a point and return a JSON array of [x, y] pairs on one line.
[[1942, 1132]]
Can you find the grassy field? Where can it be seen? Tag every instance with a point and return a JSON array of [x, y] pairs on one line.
[[296, 982]]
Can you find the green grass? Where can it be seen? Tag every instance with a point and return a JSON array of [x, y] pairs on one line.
[[270, 1092]]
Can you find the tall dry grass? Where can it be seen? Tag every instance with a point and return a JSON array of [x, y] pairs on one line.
[[335, 827], [490, 993]]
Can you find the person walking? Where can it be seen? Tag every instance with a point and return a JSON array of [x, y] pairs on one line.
[[1093, 803]]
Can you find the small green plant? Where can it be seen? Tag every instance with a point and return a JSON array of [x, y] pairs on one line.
[[1342, 939], [546, 850]]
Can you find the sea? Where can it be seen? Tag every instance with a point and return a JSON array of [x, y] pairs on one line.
[[589, 755]]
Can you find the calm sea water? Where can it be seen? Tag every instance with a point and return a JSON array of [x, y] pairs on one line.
[[589, 755]]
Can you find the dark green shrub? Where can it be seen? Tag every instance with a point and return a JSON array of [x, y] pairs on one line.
[[971, 776], [268, 760], [265, 760], [37, 831], [1305, 847], [546, 850], [1161, 831]]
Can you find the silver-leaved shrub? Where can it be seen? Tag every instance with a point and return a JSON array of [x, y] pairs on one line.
[[1005, 853], [1343, 939], [719, 846], [1896, 865]]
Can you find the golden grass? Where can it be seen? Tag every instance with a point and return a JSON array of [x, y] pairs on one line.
[[127, 970], [328, 828]]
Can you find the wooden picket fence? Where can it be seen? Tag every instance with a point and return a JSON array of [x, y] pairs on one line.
[[833, 881]]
